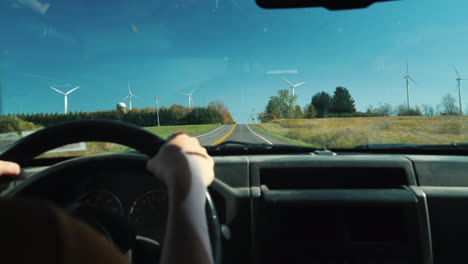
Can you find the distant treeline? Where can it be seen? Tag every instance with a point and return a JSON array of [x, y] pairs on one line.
[[342, 104], [174, 115]]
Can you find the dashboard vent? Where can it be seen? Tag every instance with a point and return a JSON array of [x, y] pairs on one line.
[[333, 178]]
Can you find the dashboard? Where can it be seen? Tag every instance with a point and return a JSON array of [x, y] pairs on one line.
[[344, 208]]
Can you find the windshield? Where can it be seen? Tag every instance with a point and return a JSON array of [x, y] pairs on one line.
[[228, 70]]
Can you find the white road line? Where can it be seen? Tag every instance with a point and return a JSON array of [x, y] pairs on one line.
[[212, 131], [259, 135]]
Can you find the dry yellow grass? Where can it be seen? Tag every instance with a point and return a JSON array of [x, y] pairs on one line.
[[349, 132]]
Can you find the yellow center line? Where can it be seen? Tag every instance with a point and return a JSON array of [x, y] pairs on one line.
[[225, 136]]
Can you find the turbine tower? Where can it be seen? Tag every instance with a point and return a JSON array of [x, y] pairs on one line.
[[157, 109], [190, 98], [129, 96], [65, 97], [459, 79], [408, 79]]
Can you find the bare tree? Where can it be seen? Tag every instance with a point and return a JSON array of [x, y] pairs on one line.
[[384, 110], [428, 110], [448, 105]]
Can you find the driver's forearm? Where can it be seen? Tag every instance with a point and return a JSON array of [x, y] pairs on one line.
[[187, 238]]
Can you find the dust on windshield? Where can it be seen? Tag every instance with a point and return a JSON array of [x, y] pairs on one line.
[[230, 70]]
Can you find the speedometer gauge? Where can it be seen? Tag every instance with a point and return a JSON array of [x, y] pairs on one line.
[[149, 215], [102, 199]]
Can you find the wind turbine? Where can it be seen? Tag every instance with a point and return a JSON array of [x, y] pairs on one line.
[[129, 96], [408, 79], [190, 98], [65, 97], [293, 86], [459, 79]]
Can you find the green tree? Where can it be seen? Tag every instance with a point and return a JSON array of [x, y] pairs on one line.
[[14, 124], [265, 117], [200, 115], [298, 114], [223, 110], [310, 111], [280, 106], [322, 103], [342, 101], [403, 110]]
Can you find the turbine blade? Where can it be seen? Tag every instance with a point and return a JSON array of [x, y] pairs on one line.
[[412, 80], [125, 98], [57, 90], [407, 68], [137, 97], [129, 88], [288, 82], [72, 90], [456, 71], [299, 84]]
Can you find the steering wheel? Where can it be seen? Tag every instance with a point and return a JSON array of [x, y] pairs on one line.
[[111, 226]]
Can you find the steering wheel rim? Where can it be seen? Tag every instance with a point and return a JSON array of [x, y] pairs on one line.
[[27, 148], [24, 150]]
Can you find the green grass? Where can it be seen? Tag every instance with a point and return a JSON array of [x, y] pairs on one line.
[[162, 131], [349, 132], [284, 139], [192, 130]]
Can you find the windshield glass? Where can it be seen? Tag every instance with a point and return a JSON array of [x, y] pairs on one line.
[[227, 70]]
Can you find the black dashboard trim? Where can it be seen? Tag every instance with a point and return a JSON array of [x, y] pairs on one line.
[[425, 225]]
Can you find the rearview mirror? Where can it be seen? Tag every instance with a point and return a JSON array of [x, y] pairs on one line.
[[329, 4]]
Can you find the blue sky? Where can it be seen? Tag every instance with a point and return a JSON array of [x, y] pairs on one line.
[[166, 49]]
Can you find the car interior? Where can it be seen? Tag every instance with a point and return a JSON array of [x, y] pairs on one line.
[[333, 208], [302, 206]]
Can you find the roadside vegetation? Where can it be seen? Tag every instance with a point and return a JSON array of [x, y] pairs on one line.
[[105, 147], [350, 132], [215, 113]]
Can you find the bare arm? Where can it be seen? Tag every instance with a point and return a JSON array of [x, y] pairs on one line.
[[187, 170], [9, 171]]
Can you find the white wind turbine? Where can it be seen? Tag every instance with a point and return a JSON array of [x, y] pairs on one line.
[[408, 79], [293, 86], [129, 96], [190, 98], [459, 79], [65, 97]]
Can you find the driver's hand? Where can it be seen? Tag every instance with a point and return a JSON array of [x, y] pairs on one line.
[[176, 159], [9, 171], [9, 168]]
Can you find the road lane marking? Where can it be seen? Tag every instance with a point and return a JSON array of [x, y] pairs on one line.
[[259, 135], [212, 131], [225, 136]]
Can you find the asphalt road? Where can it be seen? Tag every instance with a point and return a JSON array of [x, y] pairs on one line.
[[243, 133]]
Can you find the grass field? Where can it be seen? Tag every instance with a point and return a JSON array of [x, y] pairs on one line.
[[192, 130], [349, 132], [162, 131]]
